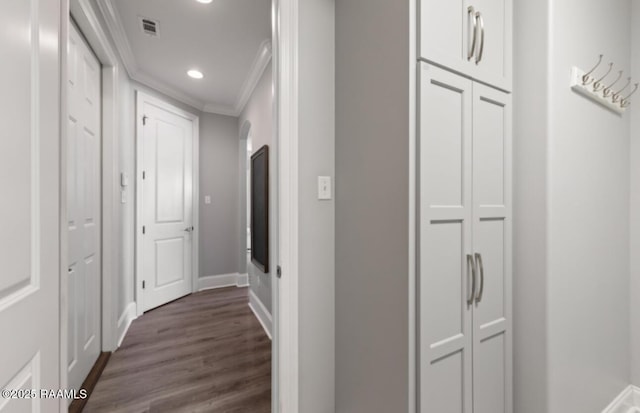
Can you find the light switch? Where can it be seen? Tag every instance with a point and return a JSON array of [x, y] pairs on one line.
[[123, 196], [324, 187], [207, 199]]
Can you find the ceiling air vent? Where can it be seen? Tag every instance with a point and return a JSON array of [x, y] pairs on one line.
[[149, 27]]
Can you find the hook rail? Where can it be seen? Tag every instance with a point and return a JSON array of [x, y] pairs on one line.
[[595, 86]]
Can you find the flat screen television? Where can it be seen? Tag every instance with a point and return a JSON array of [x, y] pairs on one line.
[[260, 209]]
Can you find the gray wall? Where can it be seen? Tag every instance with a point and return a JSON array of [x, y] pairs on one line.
[[372, 205], [316, 246], [579, 255], [634, 113], [258, 113], [219, 235]]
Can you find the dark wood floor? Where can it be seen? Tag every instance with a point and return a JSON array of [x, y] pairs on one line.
[[203, 353]]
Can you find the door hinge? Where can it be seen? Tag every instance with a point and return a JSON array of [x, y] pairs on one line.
[[144, 229], [279, 271], [144, 175], [144, 284], [144, 119]]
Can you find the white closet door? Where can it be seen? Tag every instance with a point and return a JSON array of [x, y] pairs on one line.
[[83, 194], [445, 241], [167, 205], [492, 241], [30, 206]]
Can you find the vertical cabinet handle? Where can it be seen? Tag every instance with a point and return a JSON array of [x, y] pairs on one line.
[[471, 17], [471, 273], [481, 49], [481, 269]]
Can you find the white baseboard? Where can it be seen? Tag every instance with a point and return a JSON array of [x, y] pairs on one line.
[[223, 280], [261, 313], [627, 402], [124, 322], [243, 280]]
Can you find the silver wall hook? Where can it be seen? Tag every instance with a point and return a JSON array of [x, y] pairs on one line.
[[598, 86], [607, 90], [616, 96], [625, 101], [586, 78]]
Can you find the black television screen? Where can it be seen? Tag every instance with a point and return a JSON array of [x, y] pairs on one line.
[[260, 208]]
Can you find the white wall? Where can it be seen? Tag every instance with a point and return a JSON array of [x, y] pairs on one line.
[[580, 255], [219, 178], [258, 113], [635, 200]]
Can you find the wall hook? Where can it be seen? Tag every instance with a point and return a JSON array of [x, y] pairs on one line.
[[616, 96], [586, 78], [607, 90], [625, 101], [598, 86]]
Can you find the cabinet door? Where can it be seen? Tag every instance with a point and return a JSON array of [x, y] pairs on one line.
[[446, 28], [492, 370], [447, 32], [493, 52], [445, 241]]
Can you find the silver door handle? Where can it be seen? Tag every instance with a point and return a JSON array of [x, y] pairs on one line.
[[189, 229], [471, 273], [481, 268], [481, 50], [471, 16]]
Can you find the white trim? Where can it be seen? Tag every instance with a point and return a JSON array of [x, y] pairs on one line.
[[627, 402], [141, 98], [111, 15], [261, 312], [286, 293], [413, 153], [212, 282], [125, 320], [258, 67], [243, 280]]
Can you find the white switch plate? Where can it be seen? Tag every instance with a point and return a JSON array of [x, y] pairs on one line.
[[324, 187], [207, 199], [124, 180]]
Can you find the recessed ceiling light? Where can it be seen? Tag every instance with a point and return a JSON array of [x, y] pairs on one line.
[[204, 1], [196, 74]]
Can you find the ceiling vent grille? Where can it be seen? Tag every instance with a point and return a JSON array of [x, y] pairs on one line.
[[149, 27]]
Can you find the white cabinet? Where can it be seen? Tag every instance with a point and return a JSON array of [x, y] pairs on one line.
[[464, 245], [472, 37]]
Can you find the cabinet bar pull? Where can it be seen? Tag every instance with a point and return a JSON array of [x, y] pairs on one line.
[[481, 268], [471, 16], [481, 50], [471, 273]]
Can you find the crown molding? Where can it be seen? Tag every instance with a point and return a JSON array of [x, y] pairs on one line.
[[111, 16], [258, 67]]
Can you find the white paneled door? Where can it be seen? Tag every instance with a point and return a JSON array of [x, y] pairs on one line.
[[167, 204], [445, 232], [492, 247], [83, 208], [30, 206]]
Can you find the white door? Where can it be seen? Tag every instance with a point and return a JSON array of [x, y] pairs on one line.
[[167, 205], [445, 277], [492, 244], [30, 207], [83, 208]]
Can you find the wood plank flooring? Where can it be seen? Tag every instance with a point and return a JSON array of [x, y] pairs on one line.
[[202, 353]]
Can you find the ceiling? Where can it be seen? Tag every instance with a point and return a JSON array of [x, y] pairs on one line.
[[227, 40]]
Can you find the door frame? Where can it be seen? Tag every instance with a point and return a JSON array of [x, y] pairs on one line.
[[107, 57], [141, 98], [285, 22]]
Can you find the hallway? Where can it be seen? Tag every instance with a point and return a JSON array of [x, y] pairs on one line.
[[202, 353]]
